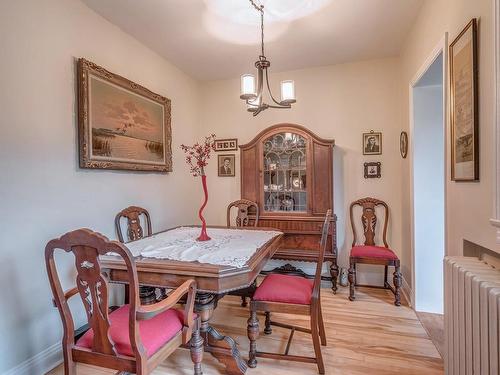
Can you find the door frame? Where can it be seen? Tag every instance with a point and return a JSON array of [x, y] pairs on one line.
[[441, 47]]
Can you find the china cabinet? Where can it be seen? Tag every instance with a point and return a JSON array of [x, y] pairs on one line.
[[288, 171]]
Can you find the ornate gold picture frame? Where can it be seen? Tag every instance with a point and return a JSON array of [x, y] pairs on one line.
[[121, 125]]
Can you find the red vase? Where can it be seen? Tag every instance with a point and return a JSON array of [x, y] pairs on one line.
[[203, 235]]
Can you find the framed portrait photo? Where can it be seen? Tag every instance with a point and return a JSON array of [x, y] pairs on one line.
[[226, 144], [373, 170], [226, 165], [464, 105], [372, 143], [121, 125]]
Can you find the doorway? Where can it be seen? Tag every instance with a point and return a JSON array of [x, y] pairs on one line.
[[428, 131]]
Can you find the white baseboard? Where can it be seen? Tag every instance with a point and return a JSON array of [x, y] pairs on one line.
[[406, 290], [41, 363]]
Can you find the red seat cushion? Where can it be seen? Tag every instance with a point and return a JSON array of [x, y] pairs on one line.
[[154, 332], [286, 289], [378, 252]]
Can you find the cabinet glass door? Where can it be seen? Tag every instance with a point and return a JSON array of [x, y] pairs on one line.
[[285, 173]]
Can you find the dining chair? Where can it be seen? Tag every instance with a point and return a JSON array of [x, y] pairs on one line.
[[247, 215], [290, 294], [135, 231], [368, 252], [134, 338]]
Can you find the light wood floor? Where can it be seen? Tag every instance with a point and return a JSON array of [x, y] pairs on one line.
[[434, 326], [369, 336]]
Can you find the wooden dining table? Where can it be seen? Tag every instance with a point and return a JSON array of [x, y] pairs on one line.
[[213, 282]]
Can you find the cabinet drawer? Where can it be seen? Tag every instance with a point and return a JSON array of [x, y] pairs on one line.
[[293, 226]]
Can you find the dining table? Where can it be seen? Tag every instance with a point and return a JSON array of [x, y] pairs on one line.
[[231, 260]]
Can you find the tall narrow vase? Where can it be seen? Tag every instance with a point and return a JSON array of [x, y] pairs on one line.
[[203, 235]]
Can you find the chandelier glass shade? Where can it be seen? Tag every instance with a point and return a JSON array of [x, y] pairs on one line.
[[252, 90]]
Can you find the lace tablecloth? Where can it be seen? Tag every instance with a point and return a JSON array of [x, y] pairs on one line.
[[228, 247]]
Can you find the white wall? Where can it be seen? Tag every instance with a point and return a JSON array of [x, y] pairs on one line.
[[42, 190], [469, 205], [428, 190], [339, 102]]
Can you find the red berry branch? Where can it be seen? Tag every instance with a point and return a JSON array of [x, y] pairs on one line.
[[198, 154]]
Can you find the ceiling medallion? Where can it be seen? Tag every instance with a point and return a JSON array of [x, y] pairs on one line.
[[251, 93]]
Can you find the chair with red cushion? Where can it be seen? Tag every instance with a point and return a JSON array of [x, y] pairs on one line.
[[134, 338], [293, 295], [369, 253], [134, 215], [247, 214]]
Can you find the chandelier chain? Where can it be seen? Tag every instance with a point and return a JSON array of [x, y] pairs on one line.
[[254, 96], [260, 9]]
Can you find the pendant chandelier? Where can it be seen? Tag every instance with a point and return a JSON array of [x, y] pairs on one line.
[[252, 93]]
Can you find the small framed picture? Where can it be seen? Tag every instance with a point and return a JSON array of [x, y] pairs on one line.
[[226, 144], [226, 165], [403, 144], [373, 170], [372, 143]]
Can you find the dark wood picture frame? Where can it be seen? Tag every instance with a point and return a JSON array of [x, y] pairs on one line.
[[229, 144], [473, 165], [403, 144], [378, 145], [220, 165], [378, 167], [86, 71]]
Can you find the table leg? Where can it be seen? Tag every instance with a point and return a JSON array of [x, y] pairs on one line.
[[223, 348]]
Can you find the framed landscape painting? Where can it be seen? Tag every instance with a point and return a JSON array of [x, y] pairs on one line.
[[121, 125], [464, 105]]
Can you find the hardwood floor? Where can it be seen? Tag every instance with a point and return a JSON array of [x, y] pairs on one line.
[[434, 326], [368, 336]]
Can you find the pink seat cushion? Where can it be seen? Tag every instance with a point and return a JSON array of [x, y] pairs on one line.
[[154, 332], [285, 289], [373, 252]]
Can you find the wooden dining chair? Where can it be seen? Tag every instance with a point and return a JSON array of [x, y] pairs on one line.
[[133, 215], [134, 338], [291, 295], [368, 252], [247, 215]]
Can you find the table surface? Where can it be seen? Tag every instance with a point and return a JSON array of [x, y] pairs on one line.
[[213, 278]]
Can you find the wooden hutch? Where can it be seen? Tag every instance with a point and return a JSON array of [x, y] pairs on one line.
[[288, 171]]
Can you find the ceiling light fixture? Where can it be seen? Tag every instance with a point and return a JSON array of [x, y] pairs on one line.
[[251, 93]]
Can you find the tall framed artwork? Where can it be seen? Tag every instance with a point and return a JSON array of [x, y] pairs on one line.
[[121, 125], [464, 105]]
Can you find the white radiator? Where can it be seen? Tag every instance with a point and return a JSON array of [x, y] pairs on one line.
[[471, 317]]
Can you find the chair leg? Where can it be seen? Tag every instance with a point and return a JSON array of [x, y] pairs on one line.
[[334, 273], [352, 280], [253, 335], [126, 294], [268, 330], [397, 285], [69, 365], [196, 347], [244, 301], [316, 343], [386, 271], [321, 324]]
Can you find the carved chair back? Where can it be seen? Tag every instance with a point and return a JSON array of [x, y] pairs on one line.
[[245, 208], [369, 220], [321, 256], [92, 286], [134, 229]]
